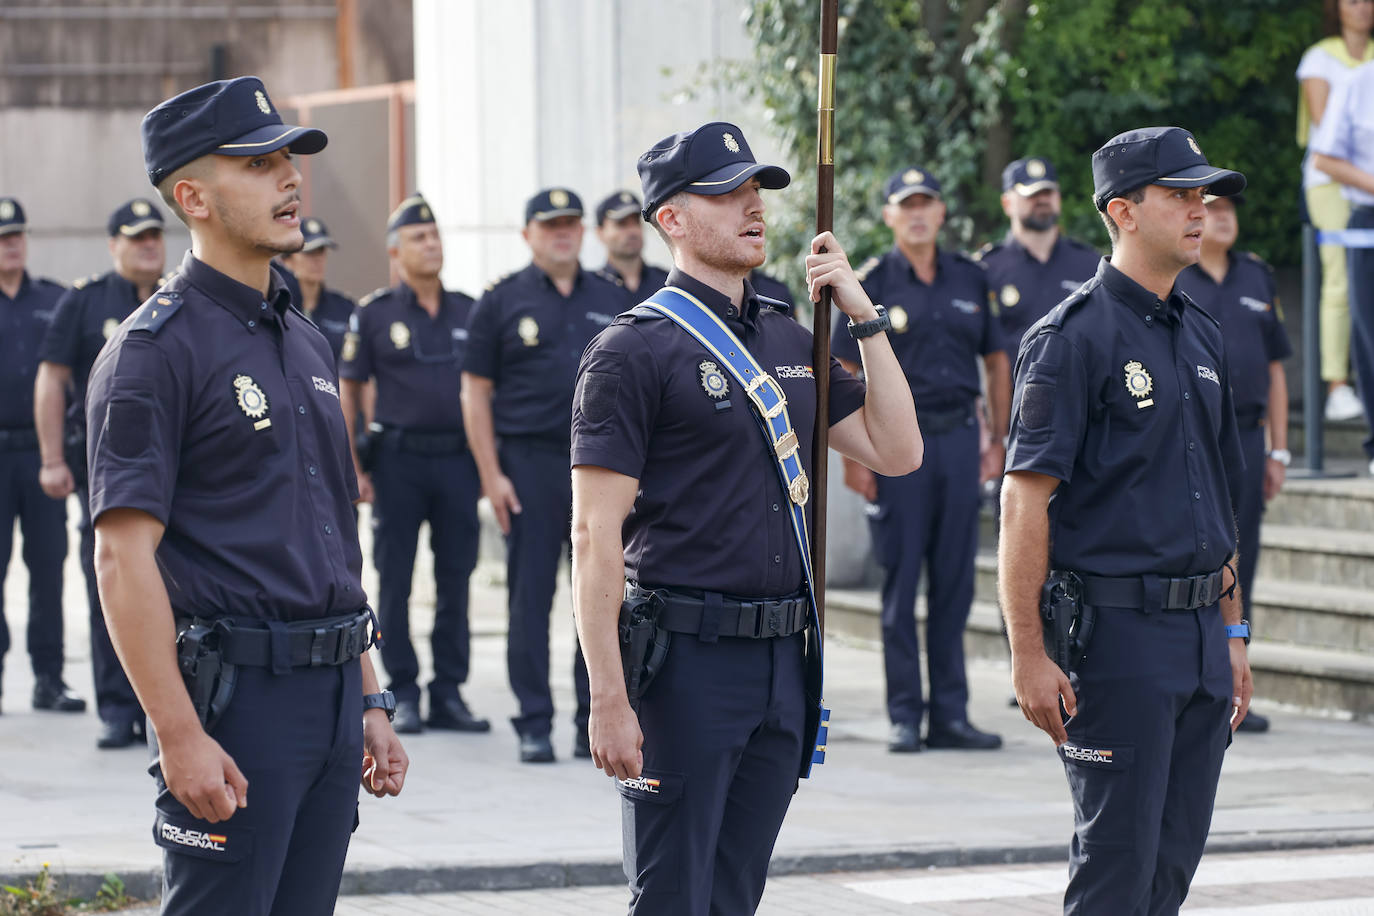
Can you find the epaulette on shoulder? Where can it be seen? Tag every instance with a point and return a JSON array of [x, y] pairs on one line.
[[1060, 313], [157, 311], [83, 282], [504, 278], [866, 268], [967, 259], [1188, 300], [986, 250], [640, 313], [1259, 260], [604, 274], [375, 294], [776, 305]]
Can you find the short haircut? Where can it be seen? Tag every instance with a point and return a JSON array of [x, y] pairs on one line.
[[196, 168], [1135, 196], [679, 200]]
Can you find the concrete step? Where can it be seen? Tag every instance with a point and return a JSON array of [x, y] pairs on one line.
[[1314, 679], [1339, 439], [1301, 553], [1343, 503], [1314, 615]]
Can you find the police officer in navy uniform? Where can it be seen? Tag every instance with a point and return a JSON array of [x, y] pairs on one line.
[[226, 550], [666, 447], [621, 232], [1123, 473], [328, 308], [26, 308], [1036, 265], [528, 331], [1237, 289], [408, 341], [942, 323], [86, 316]]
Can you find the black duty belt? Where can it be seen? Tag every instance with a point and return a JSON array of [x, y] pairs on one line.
[[1187, 593], [21, 439], [761, 618], [301, 644], [935, 420], [425, 442]]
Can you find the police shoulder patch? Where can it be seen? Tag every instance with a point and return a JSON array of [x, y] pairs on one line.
[[154, 313], [866, 268], [367, 300]]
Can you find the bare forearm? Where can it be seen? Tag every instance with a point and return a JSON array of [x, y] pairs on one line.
[[1346, 172], [598, 578], [479, 424], [999, 393], [1278, 407], [889, 412], [1022, 565], [49, 404], [143, 630]]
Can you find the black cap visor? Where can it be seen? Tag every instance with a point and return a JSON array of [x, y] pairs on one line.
[[321, 241], [272, 137], [620, 213], [1218, 182], [543, 216], [1035, 187], [726, 179], [133, 229], [12, 228], [911, 190]]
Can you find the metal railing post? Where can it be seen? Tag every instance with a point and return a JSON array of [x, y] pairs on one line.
[[1311, 350]]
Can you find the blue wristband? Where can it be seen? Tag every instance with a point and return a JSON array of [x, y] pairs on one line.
[[1238, 631]]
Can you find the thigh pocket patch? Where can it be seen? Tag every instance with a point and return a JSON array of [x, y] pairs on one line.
[[652, 830], [1104, 788], [214, 842]]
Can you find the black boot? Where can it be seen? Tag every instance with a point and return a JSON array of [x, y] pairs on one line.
[[50, 693]]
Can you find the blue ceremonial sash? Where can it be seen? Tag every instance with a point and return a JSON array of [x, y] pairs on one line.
[[770, 410]]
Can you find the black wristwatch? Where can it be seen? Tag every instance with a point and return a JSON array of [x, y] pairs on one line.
[[386, 700], [869, 328]]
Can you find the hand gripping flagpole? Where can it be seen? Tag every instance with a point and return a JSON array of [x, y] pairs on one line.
[[820, 354]]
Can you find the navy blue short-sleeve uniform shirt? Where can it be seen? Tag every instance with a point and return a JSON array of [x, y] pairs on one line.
[[87, 315], [417, 360], [528, 338], [24, 321], [1246, 304], [216, 413], [708, 487], [1025, 289], [331, 314], [1127, 400], [938, 331], [651, 279]]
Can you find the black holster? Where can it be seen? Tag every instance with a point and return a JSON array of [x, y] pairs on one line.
[[369, 443], [1066, 621], [74, 453], [209, 678], [643, 643]]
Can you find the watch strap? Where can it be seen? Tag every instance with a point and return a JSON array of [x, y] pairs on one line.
[[1238, 630], [385, 701], [871, 327]]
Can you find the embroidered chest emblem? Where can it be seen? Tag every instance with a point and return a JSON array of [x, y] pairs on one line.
[[528, 329], [400, 335], [713, 381], [252, 401], [1139, 383], [898, 316]]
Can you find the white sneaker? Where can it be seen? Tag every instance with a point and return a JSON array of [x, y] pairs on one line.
[[1341, 404]]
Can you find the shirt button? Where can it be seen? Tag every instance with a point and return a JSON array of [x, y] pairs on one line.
[[328, 529], [264, 306], [1149, 319], [313, 470], [1191, 446], [347, 587], [300, 409], [1186, 396], [777, 558], [775, 507], [1204, 545], [252, 324], [1197, 495]]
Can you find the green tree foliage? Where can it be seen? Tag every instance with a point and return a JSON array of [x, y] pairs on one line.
[[961, 86]]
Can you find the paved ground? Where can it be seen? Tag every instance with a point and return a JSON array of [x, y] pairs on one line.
[[473, 818]]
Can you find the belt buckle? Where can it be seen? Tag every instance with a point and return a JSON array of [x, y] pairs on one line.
[[774, 620], [317, 638]]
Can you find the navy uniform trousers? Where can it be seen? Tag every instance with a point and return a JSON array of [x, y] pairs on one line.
[[929, 516], [43, 522], [115, 700], [298, 738], [1360, 271], [410, 489], [538, 539], [1143, 757], [722, 726], [1250, 509]]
